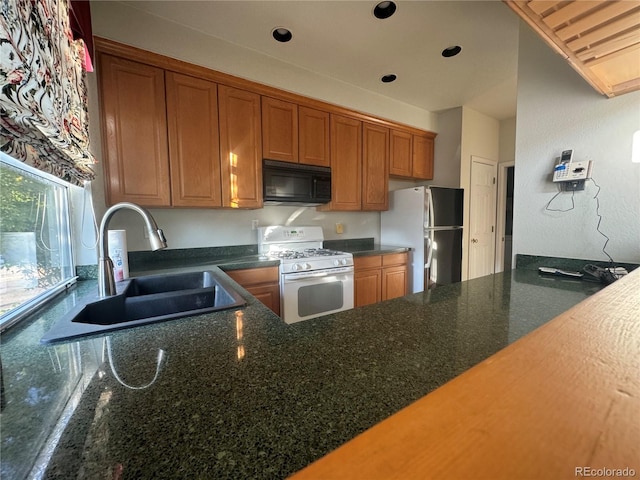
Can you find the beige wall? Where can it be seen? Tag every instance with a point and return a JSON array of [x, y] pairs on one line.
[[480, 138]]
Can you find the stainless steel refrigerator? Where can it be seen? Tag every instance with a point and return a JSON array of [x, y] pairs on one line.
[[429, 221]]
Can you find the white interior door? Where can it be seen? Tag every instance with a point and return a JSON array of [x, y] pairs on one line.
[[482, 217]]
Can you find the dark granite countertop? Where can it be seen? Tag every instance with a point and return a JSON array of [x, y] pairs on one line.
[[239, 257], [361, 247], [377, 250], [241, 394]]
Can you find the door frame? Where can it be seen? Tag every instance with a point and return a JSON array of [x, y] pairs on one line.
[[501, 211]]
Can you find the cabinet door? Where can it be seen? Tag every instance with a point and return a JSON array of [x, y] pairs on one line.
[[367, 286], [194, 151], [423, 157], [269, 295], [314, 137], [400, 154], [262, 283], [134, 125], [375, 167], [346, 163], [279, 130], [394, 282], [240, 147]]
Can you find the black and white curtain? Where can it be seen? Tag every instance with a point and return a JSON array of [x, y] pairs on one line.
[[43, 96]]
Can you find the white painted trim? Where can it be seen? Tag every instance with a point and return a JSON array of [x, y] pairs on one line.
[[501, 210]]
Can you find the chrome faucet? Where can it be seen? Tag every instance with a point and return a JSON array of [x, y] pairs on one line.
[[106, 280]]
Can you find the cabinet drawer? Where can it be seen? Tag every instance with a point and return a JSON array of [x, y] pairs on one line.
[[394, 259], [255, 276], [372, 261]]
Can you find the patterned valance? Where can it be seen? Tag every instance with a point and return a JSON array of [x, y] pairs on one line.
[[43, 93]]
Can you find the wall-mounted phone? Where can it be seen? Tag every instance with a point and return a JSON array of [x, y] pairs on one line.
[[569, 171]]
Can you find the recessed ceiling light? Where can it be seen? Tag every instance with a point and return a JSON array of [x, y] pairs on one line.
[[388, 78], [451, 51], [384, 10], [281, 34]]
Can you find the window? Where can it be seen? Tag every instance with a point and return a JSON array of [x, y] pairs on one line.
[[36, 261]]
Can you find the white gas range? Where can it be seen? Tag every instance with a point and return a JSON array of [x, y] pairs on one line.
[[314, 281]]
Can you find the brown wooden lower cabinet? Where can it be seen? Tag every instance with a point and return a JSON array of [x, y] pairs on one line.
[[368, 285], [380, 277], [263, 283]]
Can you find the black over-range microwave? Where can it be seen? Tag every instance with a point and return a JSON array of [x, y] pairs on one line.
[[295, 184]]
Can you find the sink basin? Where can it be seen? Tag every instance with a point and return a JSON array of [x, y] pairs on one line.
[[148, 299]]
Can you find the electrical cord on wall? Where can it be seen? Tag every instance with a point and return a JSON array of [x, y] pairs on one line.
[[604, 247], [606, 275], [573, 205]]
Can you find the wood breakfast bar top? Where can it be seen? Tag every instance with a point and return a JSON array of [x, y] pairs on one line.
[[561, 402]]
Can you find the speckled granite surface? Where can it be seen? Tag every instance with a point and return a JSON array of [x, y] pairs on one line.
[[362, 246], [533, 262], [240, 394], [229, 257]]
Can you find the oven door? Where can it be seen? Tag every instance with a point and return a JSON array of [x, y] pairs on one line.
[[308, 295]]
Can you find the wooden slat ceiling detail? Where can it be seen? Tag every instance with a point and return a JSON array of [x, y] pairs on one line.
[[600, 39]]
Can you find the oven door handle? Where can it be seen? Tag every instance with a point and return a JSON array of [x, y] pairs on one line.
[[293, 277]]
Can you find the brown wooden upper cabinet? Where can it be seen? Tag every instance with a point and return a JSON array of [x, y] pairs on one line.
[[346, 164], [160, 128], [375, 167], [400, 160], [359, 165], [294, 133], [314, 137], [176, 134], [194, 151], [279, 130], [411, 155], [423, 157], [134, 126], [240, 147]]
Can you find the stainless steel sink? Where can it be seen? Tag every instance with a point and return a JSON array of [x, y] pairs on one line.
[[148, 299]]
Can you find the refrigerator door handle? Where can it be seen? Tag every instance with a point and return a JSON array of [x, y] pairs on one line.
[[429, 213], [429, 245]]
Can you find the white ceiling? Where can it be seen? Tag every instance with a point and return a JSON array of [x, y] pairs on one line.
[[343, 40]]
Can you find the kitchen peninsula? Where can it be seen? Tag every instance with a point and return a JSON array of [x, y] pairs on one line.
[[240, 394]]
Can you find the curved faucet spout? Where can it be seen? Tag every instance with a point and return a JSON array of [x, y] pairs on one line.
[[106, 281]]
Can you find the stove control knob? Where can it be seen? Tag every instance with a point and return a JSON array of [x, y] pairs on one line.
[[306, 266], [295, 267], [336, 263]]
